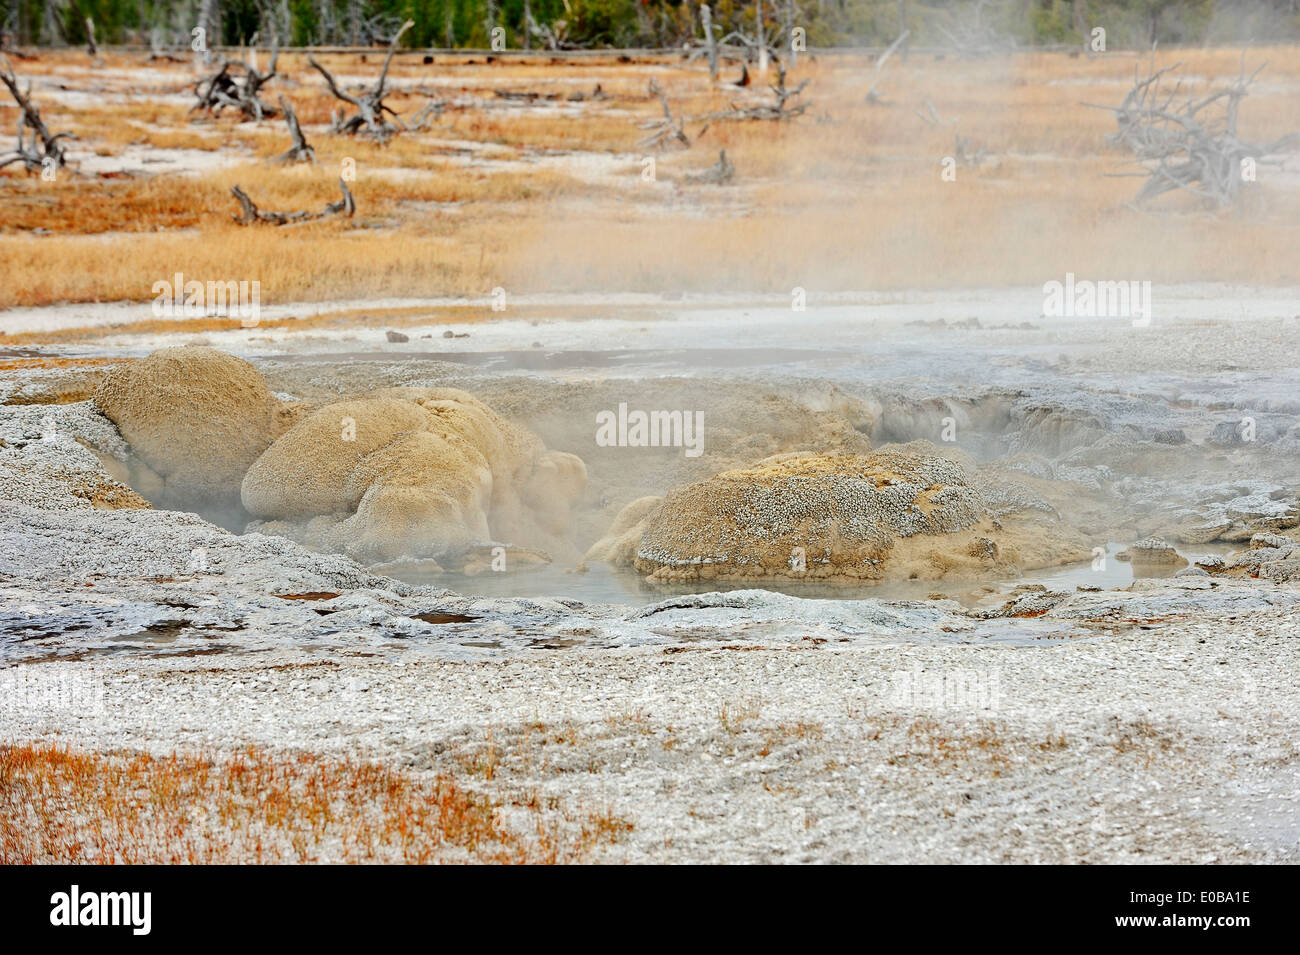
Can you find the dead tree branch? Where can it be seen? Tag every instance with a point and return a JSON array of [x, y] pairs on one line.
[[371, 117], [783, 108], [301, 150], [429, 114], [1188, 143], [249, 214], [872, 95], [718, 174], [44, 149], [222, 90], [931, 116], [664, 131]]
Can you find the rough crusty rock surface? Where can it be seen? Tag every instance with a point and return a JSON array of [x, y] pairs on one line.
[[901, 511], [412, 472], [63, 457], [1269, 557], [1152, 550], [196, 418]]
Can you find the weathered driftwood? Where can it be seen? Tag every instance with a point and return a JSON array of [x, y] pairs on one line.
[[371, 117], [43, 149], [1189, 143], [720, 173], [873, 95], [223, 90], [666, 131], [428, 114], [783, 107], [249, 214], [931, 116], [300, 150]]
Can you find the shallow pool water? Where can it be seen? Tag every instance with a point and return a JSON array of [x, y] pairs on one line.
[[602, 584]]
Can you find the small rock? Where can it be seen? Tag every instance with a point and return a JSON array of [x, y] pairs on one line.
[[398, 337], [1152, 550], [1270, 540]]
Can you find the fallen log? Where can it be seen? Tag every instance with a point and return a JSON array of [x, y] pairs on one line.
[[250, 214]]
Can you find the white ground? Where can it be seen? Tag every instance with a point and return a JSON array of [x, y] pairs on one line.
[[1155, 722]]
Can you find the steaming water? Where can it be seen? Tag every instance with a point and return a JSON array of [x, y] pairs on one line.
[[604, 585]]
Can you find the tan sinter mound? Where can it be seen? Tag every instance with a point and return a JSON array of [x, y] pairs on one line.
[[412, 472], [196, 418], [902, 511]]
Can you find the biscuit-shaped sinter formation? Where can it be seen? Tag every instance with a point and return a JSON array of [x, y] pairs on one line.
[[196, 418], [412, 472], [901, 511]]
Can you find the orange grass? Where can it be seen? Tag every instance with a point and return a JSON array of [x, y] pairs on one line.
[[59, 805]]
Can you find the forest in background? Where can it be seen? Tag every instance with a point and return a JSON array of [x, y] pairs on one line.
[[966, 25]]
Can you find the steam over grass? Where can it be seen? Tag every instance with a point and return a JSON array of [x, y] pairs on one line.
[[549, 196]]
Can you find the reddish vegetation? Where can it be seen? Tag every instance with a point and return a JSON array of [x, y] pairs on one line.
[[59, 805]]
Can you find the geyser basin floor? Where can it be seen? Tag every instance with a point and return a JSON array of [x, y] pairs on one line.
[[1155, 722]]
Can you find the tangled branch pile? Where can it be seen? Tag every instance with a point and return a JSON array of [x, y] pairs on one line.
[[222, 90], [1189, 143]]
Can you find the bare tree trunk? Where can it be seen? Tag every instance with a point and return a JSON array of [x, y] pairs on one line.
[[326, 20], [354, 21], [762, 40], [528, 20], [706, 18], [49, 23], [210, 21], [789, 32], [902, 24]]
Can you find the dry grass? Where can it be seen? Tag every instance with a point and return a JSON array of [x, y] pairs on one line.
[[548, 197], [63, 806], [986, 743]]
